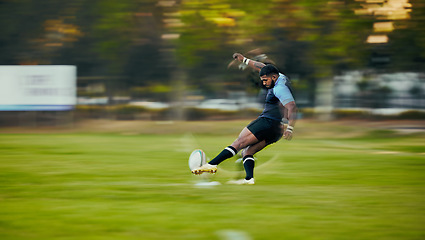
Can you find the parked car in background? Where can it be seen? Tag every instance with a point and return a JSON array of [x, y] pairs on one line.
[[229, 104]]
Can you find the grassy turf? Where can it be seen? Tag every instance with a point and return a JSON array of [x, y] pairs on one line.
[[338, 184]]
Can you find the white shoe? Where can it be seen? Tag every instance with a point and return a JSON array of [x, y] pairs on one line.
[[205, 168], [242, 182]]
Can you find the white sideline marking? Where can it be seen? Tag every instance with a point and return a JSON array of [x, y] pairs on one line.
[[230, 234], [386, 152], [207, 184]]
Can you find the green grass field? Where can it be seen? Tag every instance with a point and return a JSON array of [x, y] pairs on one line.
[[333, 181]]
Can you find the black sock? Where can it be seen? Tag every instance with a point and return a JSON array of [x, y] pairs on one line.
[[248, 164], [225, 154]]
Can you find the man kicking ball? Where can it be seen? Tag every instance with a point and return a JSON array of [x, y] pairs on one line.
[[267, 128]]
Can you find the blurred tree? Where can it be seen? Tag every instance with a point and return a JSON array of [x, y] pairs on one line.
[[154, 42], [309, 39], [407, 41], [26, 36]]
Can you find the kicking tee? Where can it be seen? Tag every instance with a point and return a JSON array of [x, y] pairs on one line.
[[280, 94]]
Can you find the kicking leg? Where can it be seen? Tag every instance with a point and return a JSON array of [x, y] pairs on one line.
[[246, 138]]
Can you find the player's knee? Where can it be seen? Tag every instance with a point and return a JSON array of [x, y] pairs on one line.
[[239, 144]]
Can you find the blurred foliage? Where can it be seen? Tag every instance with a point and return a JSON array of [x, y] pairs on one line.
[[153, 42], [154, 92], [411, 114]]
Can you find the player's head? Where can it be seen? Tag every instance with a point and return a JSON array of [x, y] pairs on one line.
[[268, 75], [268, 70]]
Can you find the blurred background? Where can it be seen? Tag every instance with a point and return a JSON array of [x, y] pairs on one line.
[[355, 169], [168, 59]]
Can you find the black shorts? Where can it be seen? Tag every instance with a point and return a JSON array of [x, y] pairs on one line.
[[266, 129]]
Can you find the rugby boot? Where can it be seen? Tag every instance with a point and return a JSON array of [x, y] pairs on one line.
[[205, 168]]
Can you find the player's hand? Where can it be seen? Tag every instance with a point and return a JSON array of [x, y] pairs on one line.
[[238, 57], [287, 135]]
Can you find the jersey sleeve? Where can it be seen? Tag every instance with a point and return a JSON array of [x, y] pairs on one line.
[[283, 93]]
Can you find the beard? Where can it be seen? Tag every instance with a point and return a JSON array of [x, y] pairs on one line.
[[271, 85]]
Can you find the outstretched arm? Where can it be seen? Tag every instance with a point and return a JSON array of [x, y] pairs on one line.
[[254, 64]]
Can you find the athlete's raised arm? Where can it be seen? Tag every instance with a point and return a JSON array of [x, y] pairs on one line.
[[254, 64]]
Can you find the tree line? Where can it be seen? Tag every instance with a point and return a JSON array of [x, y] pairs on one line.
[[189, 43]]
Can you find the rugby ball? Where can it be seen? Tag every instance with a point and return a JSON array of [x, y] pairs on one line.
[[197, 158]]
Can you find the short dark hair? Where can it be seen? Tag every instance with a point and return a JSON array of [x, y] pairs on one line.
[[268, 69]]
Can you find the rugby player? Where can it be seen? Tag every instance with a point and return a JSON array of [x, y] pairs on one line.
[[268, 128]]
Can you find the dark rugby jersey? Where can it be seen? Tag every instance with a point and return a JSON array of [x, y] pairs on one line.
[[280, 93]]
